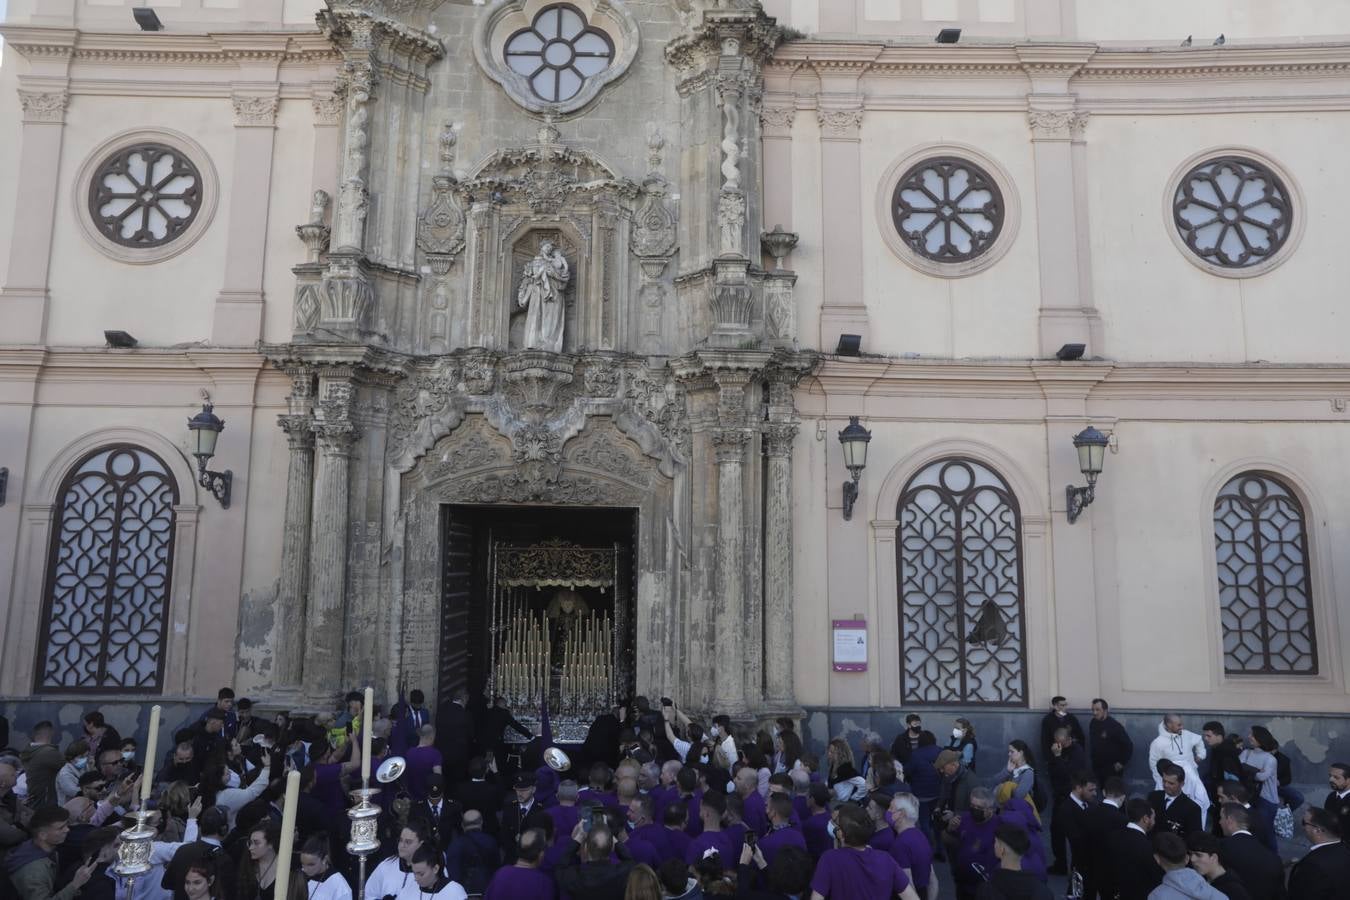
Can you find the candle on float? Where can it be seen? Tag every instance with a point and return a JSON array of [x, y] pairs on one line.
[[287, 843], [148, 775], [365, 735]]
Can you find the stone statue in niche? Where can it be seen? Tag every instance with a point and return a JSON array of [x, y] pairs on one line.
[[542, 284]]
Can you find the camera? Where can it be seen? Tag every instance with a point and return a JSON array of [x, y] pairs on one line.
[[666, 701], [750, 839]]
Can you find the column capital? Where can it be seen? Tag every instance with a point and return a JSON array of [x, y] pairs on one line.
[[729, 444], [254, 111], [299, 430], [1057, 124], [44, 106], [778, 437], [328, 107], [840, 124], [777, 120]]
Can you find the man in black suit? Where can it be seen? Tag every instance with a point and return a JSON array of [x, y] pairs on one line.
[[442, 813], [516, 815], [455, 735], [1136, 872], [1261, 871], [481, 794], [1338, 801], [1221, 765], [1099, 823], [1232, 792], [495, 722], [1058, 717], [1324, 872], [1110, 747], [1067, 760], [1071, 819], [1175, 812]]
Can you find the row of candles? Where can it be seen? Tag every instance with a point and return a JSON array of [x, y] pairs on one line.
[[587, 675], [525, 664], [133, 853]]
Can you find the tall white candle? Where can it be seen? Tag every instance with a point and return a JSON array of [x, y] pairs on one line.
[[148, 774], [365, 736], [283, 866]]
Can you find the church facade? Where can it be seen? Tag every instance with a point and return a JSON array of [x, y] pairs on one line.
[[533, 326]]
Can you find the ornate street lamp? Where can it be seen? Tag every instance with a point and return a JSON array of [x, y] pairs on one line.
[[206, 428], [854, 440], [1091, 446]]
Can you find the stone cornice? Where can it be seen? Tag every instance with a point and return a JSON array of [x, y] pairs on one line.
[[1026, 379], [1071, 61], [166, 48]]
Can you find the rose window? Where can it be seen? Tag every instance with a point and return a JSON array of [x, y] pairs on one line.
[[145, 195], [558, 52], [947, 209], [1232, 212]]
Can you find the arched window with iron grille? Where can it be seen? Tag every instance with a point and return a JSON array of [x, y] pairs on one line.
[[1265, 591], [959, 556], [109, 571]]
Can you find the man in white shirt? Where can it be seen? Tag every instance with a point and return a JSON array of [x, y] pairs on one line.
[[1181, 748]]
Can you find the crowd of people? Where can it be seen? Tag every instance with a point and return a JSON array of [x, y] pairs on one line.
[[658, 805]]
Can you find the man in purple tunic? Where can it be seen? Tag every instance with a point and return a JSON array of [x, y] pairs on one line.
[[566, 813], [855, 871], [677, 839], [747, 785], [816, 826], [422, 761], [645, 831], [524, 881], [711, 837], [781, 834], [911, 848]]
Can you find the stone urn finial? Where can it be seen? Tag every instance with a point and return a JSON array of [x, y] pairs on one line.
[[778, 244]]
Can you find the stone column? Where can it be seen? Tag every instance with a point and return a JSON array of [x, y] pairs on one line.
[[842, 308], [288, 649], [323, 626], [778, 639], [729, 618], [239, 306], [23, 301]]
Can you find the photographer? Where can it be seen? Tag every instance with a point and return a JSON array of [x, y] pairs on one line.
[[969, 838]]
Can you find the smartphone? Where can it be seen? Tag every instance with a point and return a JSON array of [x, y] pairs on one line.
[[587, 818], [750, 839]]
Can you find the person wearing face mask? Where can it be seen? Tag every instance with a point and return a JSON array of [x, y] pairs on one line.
[[68, 779], [855, 871], [323, 881], [963, 742], [907, 741], [969, 837]]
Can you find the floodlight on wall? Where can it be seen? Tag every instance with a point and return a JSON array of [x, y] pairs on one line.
[[147, 18], [1070, 351], [849, 345], [949, 36], [854, 439], [1090, 445], [206, 428], [119, 339]]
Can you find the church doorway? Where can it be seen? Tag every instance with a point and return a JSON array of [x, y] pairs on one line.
[[537, 603]]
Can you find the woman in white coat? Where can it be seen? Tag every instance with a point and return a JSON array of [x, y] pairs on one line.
[[323, 881]]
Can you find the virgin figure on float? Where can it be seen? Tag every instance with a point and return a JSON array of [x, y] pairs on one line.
[[541, 294]]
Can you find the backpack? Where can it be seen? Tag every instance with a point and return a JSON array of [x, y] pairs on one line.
[[1284, 770]]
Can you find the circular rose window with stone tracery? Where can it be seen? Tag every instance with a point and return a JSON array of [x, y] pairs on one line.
[[1232, 211], [145, 195], [558, 52], [947, 209]]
